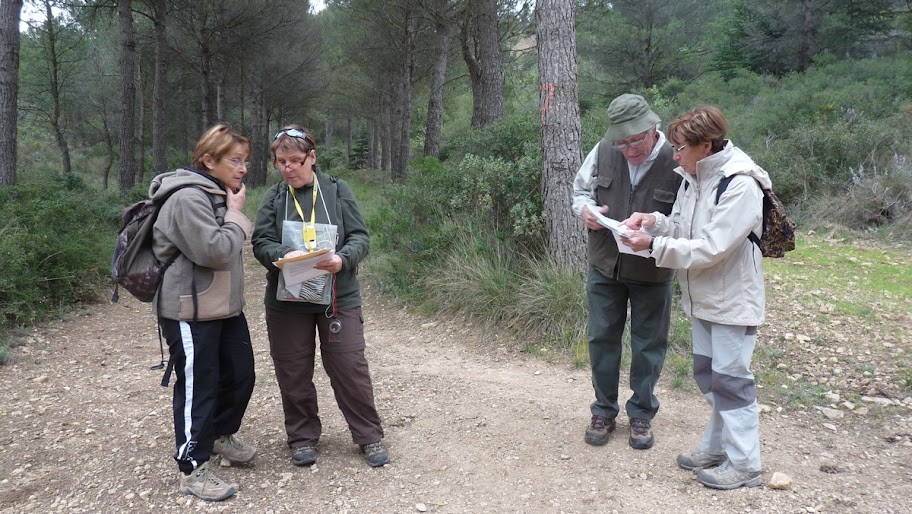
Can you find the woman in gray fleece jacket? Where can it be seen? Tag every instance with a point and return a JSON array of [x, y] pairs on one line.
[[200, 306]]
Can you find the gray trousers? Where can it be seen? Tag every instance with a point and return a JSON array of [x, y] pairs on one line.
[[722, 356], [650, 316]]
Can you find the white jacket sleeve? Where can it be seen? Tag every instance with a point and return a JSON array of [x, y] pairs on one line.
[[739, 210], [583, 190]]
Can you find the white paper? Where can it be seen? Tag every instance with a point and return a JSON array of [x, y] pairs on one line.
[[612, 225], [618, 230], [626, 249], [296, 272]]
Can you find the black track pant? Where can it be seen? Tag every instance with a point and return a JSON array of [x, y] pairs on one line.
[[213, 365]]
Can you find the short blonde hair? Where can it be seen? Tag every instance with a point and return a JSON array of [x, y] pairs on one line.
[[701, 125], [217, 142]]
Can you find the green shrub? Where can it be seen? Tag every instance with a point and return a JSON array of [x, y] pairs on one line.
[[55, 249], [816, 132], [505, 139]]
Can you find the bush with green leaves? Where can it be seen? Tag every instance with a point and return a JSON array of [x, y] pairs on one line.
[[816, 131], [55, 249], [505, 139]]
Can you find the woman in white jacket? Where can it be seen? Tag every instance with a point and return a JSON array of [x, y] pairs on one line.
[[721, 277]]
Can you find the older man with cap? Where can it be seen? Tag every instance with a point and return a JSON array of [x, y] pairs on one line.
[[629, 170]]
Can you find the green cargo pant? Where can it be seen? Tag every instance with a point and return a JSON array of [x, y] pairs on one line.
[[650, 313]]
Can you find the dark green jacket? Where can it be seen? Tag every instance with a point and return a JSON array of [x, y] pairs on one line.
[[656, 191], [352, 246]]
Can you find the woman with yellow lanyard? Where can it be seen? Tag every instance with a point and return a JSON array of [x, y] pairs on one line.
[[311, 211]]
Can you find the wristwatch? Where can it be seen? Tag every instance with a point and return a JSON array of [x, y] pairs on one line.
[[651, 240]]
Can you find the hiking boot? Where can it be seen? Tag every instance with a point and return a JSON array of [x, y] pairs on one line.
[[376, 454], [232, 449], [598, 430], [203, 484], [641, 434], [304, 455], [727, 477], [696, 460]]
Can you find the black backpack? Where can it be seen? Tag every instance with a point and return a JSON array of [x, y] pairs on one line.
[[778, 235]]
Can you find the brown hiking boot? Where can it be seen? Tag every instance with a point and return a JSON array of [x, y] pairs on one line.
[[641, 434], [598, 430]]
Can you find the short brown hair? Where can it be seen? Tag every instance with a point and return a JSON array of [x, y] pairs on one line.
[[283, 141], [701, 125], [217, 142]]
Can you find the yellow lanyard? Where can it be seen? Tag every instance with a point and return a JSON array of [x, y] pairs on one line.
[[308, 232]]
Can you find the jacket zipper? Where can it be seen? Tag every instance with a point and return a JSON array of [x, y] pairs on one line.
[[693, 215]]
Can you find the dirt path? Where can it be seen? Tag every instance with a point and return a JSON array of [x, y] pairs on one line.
[[472, 425]]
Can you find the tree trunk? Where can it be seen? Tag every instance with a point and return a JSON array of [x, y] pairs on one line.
[[127, 171], [220, 101], [259, 150], [404, 105], [327, 135], [560, 128], [435, 100], [206, 100], [109, 144], [386, 138], [10, 11], [348, 142], [55, 88], [140, 124], [480, 39], [373, 143], [810, 46], [242, 127], [159, 116]]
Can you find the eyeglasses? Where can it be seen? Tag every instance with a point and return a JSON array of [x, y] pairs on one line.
[[293, 132], [632, 144], [678, 149], [237, 163], [290, 164]]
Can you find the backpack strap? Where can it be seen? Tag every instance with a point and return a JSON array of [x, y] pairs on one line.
[[169, 366], [723, 185]]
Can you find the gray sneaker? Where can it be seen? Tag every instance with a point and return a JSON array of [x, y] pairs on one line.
[[203, 484], [599, 430], [727, 477], [231, 448], [375, 454], [699, 460], [304, 455]]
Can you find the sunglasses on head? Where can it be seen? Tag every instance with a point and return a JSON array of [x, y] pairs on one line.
[[293, 132]]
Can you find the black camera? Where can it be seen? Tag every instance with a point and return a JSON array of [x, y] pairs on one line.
[[335, 326]]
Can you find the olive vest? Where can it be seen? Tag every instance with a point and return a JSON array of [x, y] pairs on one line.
[[656, 191]]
